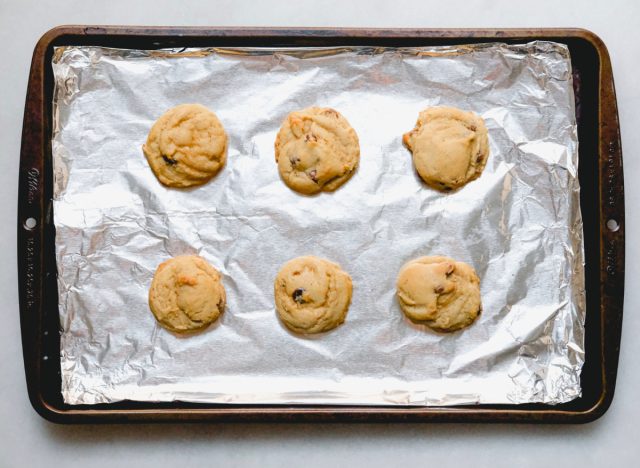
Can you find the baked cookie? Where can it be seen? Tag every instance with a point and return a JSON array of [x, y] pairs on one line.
[[186, 294], [316, 150], [186, 146], [439, 292], [450, 147], [312, 294]]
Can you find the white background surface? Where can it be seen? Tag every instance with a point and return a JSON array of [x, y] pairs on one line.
[[28, 440]]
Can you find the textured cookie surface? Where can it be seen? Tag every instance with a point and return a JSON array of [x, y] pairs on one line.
[[450, 147], [312, 294], [186, 146], [439, 292], [186, 294], [316, 150]]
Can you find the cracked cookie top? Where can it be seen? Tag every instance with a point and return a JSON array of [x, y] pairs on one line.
[[316, 150], [450, 147], [312, 295], [439, 292], [186, 294], [186, 146]]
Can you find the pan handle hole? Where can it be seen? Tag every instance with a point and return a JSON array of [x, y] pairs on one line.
[[30, 223], [613, 225], [45, 358]]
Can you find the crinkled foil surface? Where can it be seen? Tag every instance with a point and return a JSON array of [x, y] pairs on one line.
[[519, 225]]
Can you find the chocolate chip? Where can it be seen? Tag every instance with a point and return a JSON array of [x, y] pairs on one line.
[[310, 137], [220, 305], [313, 174], [297, 295], [439, 290], [169, 160], [472, 128], [294, 160], [479, 157]]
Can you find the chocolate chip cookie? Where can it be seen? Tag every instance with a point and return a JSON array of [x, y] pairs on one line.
[[186, 146], [316, 150], [450, 147], [312, 294], [186, 294], [439, 292]]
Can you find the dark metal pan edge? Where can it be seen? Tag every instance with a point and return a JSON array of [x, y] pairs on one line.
[[32, 242]]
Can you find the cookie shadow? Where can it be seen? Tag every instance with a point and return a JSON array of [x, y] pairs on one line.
[[190, 333], [307, 336], [322, 191], [423, 327]]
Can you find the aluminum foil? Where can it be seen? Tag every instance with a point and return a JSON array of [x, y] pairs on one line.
[[519, 225]]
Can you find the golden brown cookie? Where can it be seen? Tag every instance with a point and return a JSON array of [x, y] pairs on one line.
[[316, 150], [186, 146], [450, 147], [439, 292], [312, 294], [186, 294]]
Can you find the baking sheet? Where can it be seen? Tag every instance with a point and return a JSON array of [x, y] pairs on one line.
[[519, 225]]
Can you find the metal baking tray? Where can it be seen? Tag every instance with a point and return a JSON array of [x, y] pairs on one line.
[[601, 199]]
